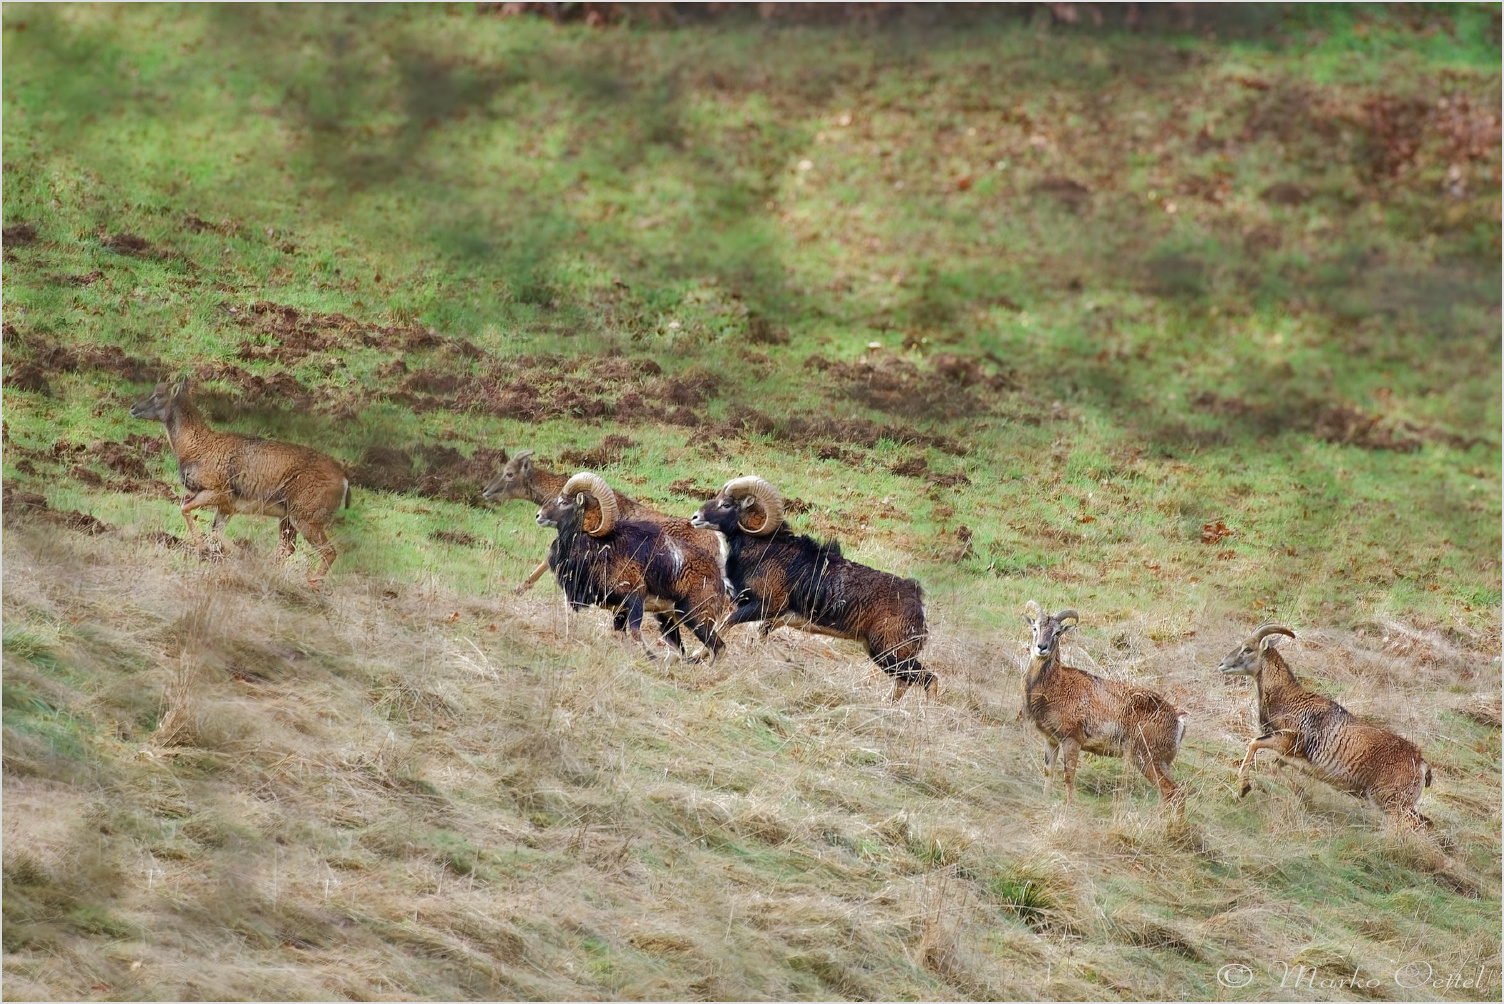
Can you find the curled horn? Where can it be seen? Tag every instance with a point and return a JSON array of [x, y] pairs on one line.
[[765, 495], [594, 485], [1267, 630], [1067, 618]]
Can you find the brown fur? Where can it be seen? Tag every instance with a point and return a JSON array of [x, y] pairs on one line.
[[1321, 735], [1075, 711], [631, 565], [231, 473], [520, 478], [785, 579]]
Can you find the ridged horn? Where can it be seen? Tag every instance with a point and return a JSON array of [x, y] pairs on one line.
[[1033, 611], [523, 454], [595, 486], [1068, 617], [766, 497], [1267, 630]]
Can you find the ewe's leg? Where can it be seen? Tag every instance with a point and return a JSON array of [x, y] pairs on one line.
[[1070, 750], [1280, 742], [1051, 751], [287, 539], [199, 501], [315, 535]]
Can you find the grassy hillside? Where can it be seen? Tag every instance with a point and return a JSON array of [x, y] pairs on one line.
[[1183, 330]]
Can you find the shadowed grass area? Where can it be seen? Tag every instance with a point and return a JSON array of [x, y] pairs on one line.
[[1185, 329]]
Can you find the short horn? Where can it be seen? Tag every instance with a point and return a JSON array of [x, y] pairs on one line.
[[595, 486], [523, 454], [766, 497], [1033, 611], [1269, 629], [1070, 616]]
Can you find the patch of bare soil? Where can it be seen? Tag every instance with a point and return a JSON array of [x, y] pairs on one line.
[[18, 234], [127, 459], [1071, 194], [538, 387], [609, 452], [828, 435], [459, 538], [431, 471], [953, 386], [17, 504], [285, 334], [47, 358], [281, 386], [691, 489], [129, 244], [1333, 422]]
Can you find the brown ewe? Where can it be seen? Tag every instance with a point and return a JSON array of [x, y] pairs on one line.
[[1321, 735], [1077, 711], [231, 473]]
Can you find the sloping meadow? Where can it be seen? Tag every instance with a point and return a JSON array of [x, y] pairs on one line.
[[221, 785]]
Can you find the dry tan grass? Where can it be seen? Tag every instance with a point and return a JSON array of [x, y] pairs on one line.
[[243, 789]]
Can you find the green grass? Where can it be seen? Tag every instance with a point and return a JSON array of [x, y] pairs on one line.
[[1127, 291]]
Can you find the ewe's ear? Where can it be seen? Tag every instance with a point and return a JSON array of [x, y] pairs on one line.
[[1270, 642]]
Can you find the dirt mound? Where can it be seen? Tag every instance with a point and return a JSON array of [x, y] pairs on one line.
[[18, 234], [280, 387], [48, 358], [534, 388], [430, 471], [607, 453], [15, 504], [129, 244], [285, 334], [1071, 194], [952, 387], [823, 433], [1333, 422]]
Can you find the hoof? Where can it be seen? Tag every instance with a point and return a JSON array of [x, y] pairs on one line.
[[1246, 789]]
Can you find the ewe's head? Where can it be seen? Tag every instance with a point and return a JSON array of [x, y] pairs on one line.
[[515, 480], [586, 503], [164, 399], [1047, 629], [749, 505], [1247, 658]]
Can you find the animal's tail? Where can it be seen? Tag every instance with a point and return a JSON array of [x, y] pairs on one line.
[[345, 503], [1428, 772]]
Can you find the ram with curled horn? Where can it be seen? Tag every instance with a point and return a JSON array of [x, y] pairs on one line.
[[629, 565], [782, 578], [1075, 711], [1321, 736], [523, 479]]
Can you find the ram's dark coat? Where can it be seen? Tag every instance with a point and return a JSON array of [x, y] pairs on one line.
[[632, 562], [790, 578]]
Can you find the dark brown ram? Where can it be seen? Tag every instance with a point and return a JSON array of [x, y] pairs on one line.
[[782, 578], [602, 560]]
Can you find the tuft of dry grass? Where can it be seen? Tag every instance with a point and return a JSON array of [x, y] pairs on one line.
[[221, 785]]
